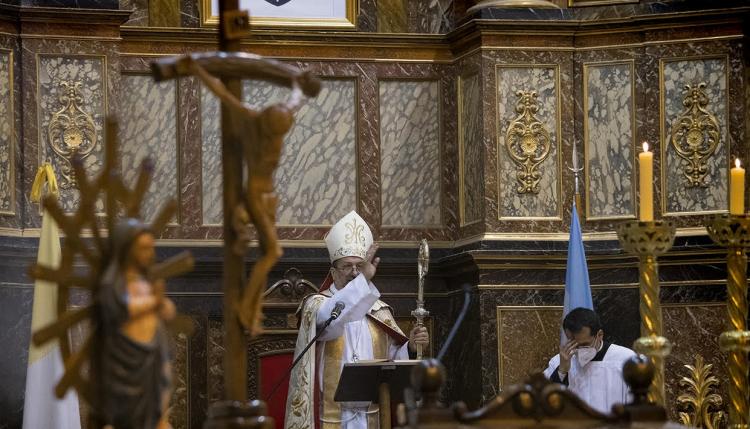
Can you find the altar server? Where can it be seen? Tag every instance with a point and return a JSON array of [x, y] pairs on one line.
[[590, 366]]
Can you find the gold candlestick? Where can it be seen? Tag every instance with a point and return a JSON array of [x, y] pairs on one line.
[[733, 232], [649, 240]]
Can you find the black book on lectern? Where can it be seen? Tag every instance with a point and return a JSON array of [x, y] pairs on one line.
[[360, 381]]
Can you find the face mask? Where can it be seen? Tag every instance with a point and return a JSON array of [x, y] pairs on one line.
[[586, 354]]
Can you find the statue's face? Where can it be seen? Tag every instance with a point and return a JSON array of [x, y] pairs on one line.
[[142, 252]]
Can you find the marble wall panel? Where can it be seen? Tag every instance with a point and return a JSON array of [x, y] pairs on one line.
[[148, 129], [9, 46], [179, 403], [470, 148], [545, 80], [517, 356], [7, 135], [201, 210], [410, 153], [678, 196], [89, 72], [215, 360], [15, 320], [694, 330], [139, 17], [190, 13], [392, 16], [367, 20], [211, 158], [429, 16], [464, 354], [609, 109], [317, 171], [189, 142]]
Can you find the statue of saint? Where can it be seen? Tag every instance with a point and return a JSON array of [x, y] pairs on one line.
[[130, 362]]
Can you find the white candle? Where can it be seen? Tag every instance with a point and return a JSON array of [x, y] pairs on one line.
[[737, 189], [646, 184]]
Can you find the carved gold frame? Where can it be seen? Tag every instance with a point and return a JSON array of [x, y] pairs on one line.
[[461, 173], [441, 146], [587, 143], [209, 17], [664, 137], [41, 140], [354, 80], [498, 329], [499, 147], [12, 139]]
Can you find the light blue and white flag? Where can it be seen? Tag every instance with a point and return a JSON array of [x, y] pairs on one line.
[[577, 286]]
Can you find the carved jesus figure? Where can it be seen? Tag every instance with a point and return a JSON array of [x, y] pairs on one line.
[[262, 134]]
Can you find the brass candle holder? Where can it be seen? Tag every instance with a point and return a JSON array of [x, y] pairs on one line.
[[648, 240], [733, 232]]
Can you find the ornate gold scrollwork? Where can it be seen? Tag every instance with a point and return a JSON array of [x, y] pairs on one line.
[[700, 398], [528, 142], [695, 135], [71, 131]]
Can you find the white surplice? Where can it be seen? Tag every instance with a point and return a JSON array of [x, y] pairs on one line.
[[359, 296], [599, 383]]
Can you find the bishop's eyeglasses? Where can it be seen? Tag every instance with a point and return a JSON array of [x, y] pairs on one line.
[[349, 268]]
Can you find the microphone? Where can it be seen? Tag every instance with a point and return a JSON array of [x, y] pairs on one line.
[[337, 309], [335, 313]]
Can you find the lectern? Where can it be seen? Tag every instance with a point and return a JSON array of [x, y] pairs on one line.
[[377, 381]]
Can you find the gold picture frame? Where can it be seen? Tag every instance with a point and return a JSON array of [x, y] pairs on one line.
[[325, 14]]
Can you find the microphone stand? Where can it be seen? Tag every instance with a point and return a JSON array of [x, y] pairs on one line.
[[467, 299], [289, 371]]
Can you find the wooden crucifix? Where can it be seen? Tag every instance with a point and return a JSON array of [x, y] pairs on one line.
[[253, 137]]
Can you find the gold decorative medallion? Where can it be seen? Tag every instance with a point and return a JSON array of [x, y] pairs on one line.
[[71, 131], [700, 398], [528, 142], [695, 135]]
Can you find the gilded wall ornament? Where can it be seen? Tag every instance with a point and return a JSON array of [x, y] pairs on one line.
[[703, 404], [71, 131], [695, 135], [528, 142]]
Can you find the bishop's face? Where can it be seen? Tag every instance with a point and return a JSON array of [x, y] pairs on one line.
[[345, 270]]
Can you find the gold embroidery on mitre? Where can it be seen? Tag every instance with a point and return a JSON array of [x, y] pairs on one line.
[[356, 235]]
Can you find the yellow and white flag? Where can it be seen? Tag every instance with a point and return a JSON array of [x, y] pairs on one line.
[[42, 409]]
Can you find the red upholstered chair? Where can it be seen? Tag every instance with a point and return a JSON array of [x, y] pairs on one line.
[[272, 368], [270, 354]]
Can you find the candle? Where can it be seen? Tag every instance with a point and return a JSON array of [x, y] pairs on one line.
[[646, 184], [737, 189]]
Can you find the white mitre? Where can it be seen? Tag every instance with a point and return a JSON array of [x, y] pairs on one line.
[[349, 237]]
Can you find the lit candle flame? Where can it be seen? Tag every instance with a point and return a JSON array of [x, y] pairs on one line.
[[645, 146], [737, 162]]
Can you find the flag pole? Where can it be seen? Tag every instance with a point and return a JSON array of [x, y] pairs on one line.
[[576, 174]]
